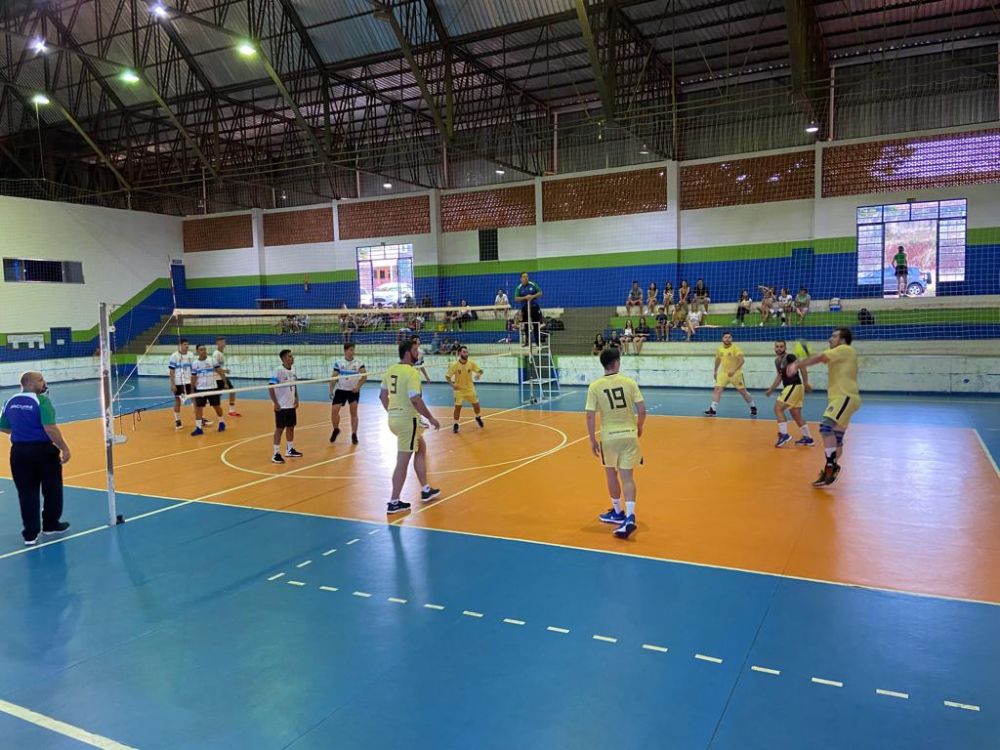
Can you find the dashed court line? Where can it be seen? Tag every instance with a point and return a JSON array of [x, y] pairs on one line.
[[892, 694], [706, 657], [554, 629], [766, 670], [963, 706], [512, 621], [470, 613], [828, 683]]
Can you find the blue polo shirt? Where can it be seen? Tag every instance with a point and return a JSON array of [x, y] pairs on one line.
[[25, 415]]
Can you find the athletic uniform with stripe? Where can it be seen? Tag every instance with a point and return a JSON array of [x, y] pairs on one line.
[[222, 379], [204, 379], [615, 397], [348, 372], [792, 390], [462, 375], [402, 382], [727, 356], [180, 365], [286, 396], [843, 395]]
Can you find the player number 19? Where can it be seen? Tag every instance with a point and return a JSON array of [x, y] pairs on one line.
[[616, 397]]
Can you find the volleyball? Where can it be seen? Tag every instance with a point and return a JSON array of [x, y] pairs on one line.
[[800, 350]]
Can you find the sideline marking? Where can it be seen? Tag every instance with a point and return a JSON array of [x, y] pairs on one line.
[[713, 659], [830, 683], [658, 649], [766, 670], [61, 727], [892, 693], [989, 456], [963, 706]]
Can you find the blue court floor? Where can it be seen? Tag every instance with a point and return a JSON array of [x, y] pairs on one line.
[[201, 626]]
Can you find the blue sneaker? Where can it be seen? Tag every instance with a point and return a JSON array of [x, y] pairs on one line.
[[222, 426], [197, 431], [612, 516], [783, 437], [808, 442], [627, 527]]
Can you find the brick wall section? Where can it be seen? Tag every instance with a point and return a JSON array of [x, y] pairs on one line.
[[488, 209], [616, 194], [217, 233], [761, 179], [385, 218], [298, 227], [934, 161]]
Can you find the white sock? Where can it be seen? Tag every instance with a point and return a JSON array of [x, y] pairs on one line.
[[289, 446], [751, 404], [426, 488], [830, 452], [393, 499], [715, 405], [198, 423], [805, 431], [177, 416], [616, 503], [232, 409], [630, 507], [277, 448], [783, 428]]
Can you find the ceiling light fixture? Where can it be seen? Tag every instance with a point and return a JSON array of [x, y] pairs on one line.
[[387, 185], [40, 99], [38, 45], [246, 49], [812, 128], [129, 76], [159, 10], [500, 171]]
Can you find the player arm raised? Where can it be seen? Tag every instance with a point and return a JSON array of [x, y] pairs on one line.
[[802, 364]]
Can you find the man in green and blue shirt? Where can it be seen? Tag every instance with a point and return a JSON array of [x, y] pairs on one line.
[[37, 453], [526, 293]]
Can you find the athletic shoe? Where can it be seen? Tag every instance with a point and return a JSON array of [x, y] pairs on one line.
[[178, 426], [197, 431], [627, 527], [836, 473], [235, 414], [753, 411], [612, 516], [207, 422], [277, 459], [479, 421], [783, 437], [59, 528], [334, 434], [354, 438], [827, 475], [31, 542], [808, 442], [222, 426], [454, 428], [709, 412], [292, 453], [397, 506], [430, 494]]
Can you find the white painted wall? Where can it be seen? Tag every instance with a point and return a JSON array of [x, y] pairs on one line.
[[787, 221], [609, 234], [122, 252], [214, 263]]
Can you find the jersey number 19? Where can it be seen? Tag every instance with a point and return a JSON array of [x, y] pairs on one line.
[[616, 397]]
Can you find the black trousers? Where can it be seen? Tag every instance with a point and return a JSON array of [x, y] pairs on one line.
[[36, 469]]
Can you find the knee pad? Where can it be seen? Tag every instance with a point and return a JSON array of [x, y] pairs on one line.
[[825, 429]]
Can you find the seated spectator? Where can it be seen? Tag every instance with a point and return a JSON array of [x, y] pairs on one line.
[[642, 334], [680, 315], [615, 342], [768, 302], [466, 313], [444, 347], [668, 297], [628, 335], [501, 299], [684, 293], [801, 303], [701, 296], [451, 318], [634, 299], [744, 306], [785, 302], [662, 324], [652, 295], [693, 321], [599, 344]]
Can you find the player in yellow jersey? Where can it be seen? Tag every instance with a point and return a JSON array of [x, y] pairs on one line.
[[461, 374], [729, 361], [623, 413], [843, 398], [402, 397]]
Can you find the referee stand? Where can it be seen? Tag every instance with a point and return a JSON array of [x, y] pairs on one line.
[[537, 374]]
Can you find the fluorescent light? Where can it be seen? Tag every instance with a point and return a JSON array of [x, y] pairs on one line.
[[38, 45], [246, 49], [500, 171], [644, 150], [159, 10], [40, 99], [129, 76], [387, 185], [812, 128]]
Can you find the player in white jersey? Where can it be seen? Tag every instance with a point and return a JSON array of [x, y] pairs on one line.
[[179, 372], [219, 358], [418, 364], [286, 400], [204, 376], [350, 375]]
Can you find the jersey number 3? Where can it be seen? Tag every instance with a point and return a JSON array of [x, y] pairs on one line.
[[616, 397], [394, 383]]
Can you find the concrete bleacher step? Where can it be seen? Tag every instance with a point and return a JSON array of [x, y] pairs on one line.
[[581, 325]]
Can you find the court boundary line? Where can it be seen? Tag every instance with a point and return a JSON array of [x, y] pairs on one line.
[[181, 502], [986, 450], [61, 727]]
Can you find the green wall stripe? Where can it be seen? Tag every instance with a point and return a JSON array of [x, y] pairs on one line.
[[134, 301], [983, 236]]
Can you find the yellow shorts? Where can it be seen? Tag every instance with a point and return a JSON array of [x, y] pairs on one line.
[[470, 395], [407, 431], [621, 453], [723, 378], [793, 395], [841, 409]]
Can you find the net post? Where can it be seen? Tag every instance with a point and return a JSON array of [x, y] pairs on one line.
[[107, 409]]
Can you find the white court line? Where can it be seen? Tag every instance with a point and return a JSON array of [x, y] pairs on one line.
[[658, 649], [303, 564], [554, 629], [989, 456], [396, 600], [704, 657], [470, 613], [328, 588], [511, 621], [353, 541], [433, 606], [605, 638], [374, 531], [61, 727], [892, 693], [830, 683], [963, 706], [276, 576], [362, 594], [296, 583], [766, 670]]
